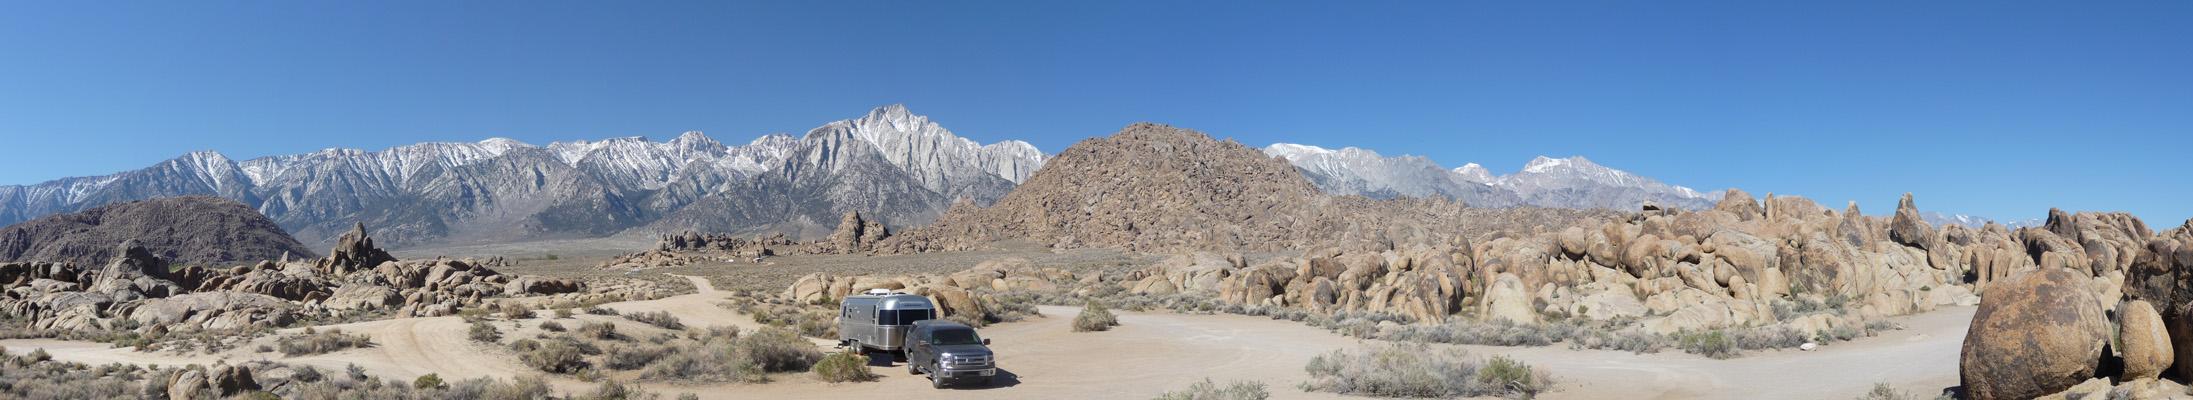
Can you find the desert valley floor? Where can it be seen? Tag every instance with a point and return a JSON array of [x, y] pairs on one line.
[[1148, 354]]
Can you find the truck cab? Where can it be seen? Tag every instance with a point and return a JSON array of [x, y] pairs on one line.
[[949, 352]]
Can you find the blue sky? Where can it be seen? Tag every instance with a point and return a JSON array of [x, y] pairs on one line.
[[1997, 110]]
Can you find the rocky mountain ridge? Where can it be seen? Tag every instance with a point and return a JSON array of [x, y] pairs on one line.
[[1573, 182], [504, 190]]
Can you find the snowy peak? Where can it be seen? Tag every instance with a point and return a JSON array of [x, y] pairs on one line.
[[1574, 182], [1542, 164], [1295, 151], [941, 161], [1474, 173]]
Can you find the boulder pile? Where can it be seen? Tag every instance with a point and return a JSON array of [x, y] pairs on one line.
[[676, 249], [137, 286]]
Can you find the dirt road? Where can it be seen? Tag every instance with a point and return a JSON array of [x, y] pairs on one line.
[[1151, 353]]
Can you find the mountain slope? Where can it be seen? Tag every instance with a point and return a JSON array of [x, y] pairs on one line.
[[187, 230]]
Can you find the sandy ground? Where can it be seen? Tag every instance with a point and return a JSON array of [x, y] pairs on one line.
[[1151, 353]]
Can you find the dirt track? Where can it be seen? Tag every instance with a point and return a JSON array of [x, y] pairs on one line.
[[1151, 353]]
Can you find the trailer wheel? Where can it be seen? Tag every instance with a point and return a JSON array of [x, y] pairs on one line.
[[858, 349]]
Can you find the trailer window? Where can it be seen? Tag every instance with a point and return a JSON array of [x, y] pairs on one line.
[[901, 317]]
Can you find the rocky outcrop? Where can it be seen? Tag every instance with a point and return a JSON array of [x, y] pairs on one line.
[[353, 251], [138, 286], [689, 248], [362, 296], [535, 284], [1741, 204], [187, 230], [215, 311], [853, 236], [134, 274], [2162, 275], [2035, 333]]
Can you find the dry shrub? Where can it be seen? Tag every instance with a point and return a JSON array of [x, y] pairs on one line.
[[661, 319], [515, 310], [598, 330], [324, 342], [1207, 390], [481, 331], [777, 350], [1094, 317], [844, 366], [1399, 370], [561, 354], [631, 357]]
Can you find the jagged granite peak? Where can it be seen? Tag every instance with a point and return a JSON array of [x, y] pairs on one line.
[[932, 154], [1475, 173], [189, 230]]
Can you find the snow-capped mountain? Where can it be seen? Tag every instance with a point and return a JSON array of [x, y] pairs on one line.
[[501, 189], [1573, 182], [1940, 219], [1350, 171], [1576, 182]]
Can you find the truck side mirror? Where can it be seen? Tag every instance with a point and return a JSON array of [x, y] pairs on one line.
[[986, 342]]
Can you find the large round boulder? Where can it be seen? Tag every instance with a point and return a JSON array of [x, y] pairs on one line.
[[2036, 332]]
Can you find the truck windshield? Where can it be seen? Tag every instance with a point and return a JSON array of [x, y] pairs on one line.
[[901, 317], [948, 337]]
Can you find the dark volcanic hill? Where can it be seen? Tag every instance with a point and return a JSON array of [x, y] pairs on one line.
[[1158, 188], [187, 230]]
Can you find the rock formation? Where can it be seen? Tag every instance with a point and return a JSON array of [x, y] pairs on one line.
[[187, 230], [137, 285], [353, 251], [853, 236]]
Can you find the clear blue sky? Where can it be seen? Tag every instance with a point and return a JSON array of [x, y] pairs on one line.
[[1997, 110]]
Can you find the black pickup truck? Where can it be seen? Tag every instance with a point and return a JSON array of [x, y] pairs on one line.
[[949, 352]]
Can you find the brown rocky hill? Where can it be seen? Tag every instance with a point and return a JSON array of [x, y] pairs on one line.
[[1155, 188], [187, 230]]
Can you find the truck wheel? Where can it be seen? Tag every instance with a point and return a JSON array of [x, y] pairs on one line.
[[936, 382], [910, 369]]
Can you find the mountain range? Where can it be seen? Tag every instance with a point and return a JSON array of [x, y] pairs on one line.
[[891, 165], [1573, 182], [896, 167]]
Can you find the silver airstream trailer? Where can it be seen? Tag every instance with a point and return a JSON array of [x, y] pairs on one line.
[[878, 320]]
